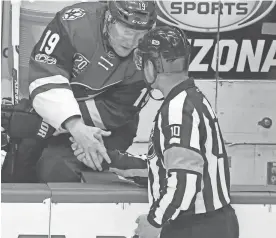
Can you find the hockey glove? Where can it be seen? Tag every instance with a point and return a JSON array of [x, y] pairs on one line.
[[21, 121], [128, 167]]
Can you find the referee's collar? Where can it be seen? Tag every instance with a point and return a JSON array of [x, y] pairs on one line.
[[186, 84]]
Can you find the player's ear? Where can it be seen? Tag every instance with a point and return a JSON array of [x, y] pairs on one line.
[[150, 72]]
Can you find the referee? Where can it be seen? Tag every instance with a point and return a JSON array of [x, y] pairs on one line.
[[189, 179], [188, 173]]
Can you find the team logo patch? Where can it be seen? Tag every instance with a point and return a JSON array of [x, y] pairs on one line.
[[111, 54], [80, 64], [155, 42], [47, 59], [73, 14]]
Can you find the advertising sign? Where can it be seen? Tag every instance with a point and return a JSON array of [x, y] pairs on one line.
[[247, 36], [88, 220], [247, 39]]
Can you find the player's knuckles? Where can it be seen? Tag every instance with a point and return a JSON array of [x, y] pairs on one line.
[[74, 146], [96, 131], [78, 152], [105, 133], [88, 156], [81, 157], [92, 148]]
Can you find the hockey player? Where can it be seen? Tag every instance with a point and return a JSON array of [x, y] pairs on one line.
[[188, 173], [83, 81]]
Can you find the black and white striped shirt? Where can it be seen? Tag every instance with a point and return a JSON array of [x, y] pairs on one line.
[[187, 160]]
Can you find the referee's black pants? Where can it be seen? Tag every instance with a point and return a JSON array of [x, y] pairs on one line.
[[222, 223]]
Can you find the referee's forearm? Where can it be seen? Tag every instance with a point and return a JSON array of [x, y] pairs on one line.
[[182, 187]]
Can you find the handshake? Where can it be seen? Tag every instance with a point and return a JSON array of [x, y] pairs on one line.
[[21, 121], [126, 166]]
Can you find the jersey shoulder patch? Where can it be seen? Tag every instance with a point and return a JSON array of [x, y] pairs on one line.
[[81, 22], [73, 14], [80, 15], [79, 10]]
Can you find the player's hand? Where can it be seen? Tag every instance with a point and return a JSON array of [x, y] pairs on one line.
[[90, 140], [79, 153], [77, 149]]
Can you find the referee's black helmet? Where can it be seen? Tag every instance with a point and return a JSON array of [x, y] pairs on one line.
[[166, 47]]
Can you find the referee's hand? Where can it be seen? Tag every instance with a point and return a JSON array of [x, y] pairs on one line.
[[145, 229]]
